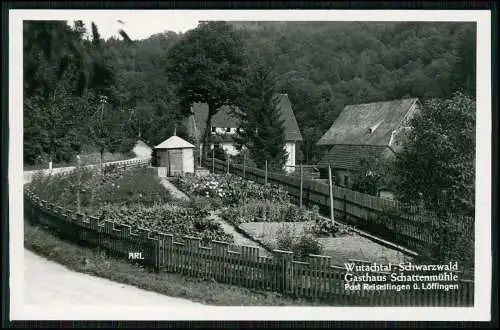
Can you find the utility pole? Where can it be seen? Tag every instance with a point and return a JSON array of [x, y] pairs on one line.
[[244, 164], [213, 160], [301, 184], [330, 184]]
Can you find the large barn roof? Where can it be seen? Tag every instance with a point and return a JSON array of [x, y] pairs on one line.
[[367, 124], [225, 118], [174, 142]]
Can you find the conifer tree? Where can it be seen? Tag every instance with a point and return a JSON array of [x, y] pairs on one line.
[[261, 131]]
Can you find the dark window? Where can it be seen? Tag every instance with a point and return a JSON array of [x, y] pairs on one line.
[[213, 129], [228, 129]]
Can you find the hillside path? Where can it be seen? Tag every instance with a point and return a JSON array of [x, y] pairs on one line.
[[176, 193]]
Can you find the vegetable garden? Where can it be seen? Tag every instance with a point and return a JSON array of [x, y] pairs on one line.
[[267, 215], [135, 197]]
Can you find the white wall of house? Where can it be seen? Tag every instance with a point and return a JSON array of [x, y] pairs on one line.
[[290, 162], [223, 130], [230, 149], [188, 160]]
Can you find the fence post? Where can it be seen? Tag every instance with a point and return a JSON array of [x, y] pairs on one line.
[[283, 261], [78, 185], [227, 164], [213, 160], [301, 184], [156, 254], [265, 179], [331, 193]]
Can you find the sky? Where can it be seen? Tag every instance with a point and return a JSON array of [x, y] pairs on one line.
[[141, 24], [138, 28]]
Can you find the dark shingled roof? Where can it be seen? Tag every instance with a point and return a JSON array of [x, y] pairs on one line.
[[355, 121], [225, 118], [348, 157]]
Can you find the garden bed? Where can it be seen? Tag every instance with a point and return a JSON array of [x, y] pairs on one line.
[[341, 248], [266, 214], [135, 197]]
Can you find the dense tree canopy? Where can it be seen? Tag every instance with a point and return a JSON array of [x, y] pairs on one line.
[[322, 66], [438, 164], [207, 65]]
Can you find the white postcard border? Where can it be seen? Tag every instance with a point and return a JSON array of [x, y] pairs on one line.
[[483, 258]]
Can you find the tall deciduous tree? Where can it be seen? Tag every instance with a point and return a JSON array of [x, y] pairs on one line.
[[262, 130], [51, 68], [438, 164], [107, 120], [207, 66]]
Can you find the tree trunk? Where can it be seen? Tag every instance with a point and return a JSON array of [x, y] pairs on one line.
[[101, 153], [207, 133]]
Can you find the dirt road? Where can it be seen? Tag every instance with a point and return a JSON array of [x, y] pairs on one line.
[[49, 283], [142, 150]]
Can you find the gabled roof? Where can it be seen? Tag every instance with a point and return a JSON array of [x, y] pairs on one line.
[[225, 118], [368, 124], [174, 142], [348, 157]]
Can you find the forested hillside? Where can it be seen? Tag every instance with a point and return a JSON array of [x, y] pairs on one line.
[[322, 66]]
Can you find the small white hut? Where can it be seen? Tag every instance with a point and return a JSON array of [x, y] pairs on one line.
[[175, 157]]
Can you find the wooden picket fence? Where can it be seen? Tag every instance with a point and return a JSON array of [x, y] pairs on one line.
[[412, 227], [239, 265]]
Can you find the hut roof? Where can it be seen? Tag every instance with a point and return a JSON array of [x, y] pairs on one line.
[[174, 142]]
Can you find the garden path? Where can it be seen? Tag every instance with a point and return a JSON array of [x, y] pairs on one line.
[[239, 239], [176, 193]]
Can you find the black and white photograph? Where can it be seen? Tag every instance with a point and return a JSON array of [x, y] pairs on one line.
[[250, 164]]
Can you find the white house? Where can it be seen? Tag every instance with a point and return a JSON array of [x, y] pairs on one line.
[[224, 126]]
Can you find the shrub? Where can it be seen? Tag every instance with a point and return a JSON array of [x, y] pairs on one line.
[[201, 206], [308, 244], [301, 244], [286, 238], [453, 243], [229, 189]]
